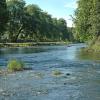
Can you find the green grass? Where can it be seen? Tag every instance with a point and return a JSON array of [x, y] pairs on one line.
[[15, 65]]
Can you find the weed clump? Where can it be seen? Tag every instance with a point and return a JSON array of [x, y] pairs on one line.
[[15, 65]]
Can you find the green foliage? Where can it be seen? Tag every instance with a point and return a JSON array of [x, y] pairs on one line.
[[31, 23], [87, 20], [15, 65], [16, 18], [96, 45], [3, 16]]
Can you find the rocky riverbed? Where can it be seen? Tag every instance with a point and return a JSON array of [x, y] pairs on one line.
[[57, 74]]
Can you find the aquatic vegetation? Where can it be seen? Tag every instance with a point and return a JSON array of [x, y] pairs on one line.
[[56, 72], [15, 65]]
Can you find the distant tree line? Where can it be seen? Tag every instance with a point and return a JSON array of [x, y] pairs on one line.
[[87, 20], [21, 22]]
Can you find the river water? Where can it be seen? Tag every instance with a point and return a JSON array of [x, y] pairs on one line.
[[80, 78]]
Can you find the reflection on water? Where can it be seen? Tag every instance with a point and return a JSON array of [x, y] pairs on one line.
[[84, 55], [6, 51], [39, 54]]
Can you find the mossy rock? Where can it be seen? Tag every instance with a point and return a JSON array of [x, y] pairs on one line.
[[57, 73]]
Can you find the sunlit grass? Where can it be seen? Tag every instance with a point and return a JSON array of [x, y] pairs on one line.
[[15, 65]]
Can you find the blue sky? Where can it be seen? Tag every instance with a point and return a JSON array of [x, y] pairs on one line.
[[57, 8]]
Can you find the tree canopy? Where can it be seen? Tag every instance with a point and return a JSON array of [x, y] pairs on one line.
[[3, 15], [87, 20], [31, 23]]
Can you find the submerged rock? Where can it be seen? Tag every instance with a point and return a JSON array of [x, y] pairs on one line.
[[68, 74], [65, 83], [4, 93]]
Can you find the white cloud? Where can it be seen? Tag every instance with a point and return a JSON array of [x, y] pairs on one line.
[[71, 5]]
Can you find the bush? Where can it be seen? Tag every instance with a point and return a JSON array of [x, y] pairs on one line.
[[15, 65]]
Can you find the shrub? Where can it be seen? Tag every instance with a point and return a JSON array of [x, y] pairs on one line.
[[15, 65]]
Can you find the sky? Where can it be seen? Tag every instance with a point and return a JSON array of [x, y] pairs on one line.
[[57, 8]]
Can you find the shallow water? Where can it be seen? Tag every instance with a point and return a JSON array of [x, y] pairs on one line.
[[80, 78]]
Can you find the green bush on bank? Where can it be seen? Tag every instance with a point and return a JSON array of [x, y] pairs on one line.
[[93, 46], [15, 65]]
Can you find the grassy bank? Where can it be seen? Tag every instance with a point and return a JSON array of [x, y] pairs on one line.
[[94, 46], [30, 44]]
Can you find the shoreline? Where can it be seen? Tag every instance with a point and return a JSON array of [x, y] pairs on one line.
[[31, 44]]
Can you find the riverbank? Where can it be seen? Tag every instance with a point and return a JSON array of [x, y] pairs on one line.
[[94, 46], [30, 44]]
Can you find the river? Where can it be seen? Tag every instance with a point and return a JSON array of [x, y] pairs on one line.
[[80, 78]]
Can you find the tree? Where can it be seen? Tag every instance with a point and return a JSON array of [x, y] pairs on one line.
[[31, 23], [3, 16], [16, 15], [95, 17], [87, 21], [81, 22], [62, 26]]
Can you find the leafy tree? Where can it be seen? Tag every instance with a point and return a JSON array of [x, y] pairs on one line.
[[3, 16], [81, 22], [16, 15], [63, 29], [95, 17], [31, 23], [87, 21]]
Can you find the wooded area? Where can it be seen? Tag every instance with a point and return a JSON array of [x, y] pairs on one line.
[[87, 20], [29, 23], [21, 22]]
